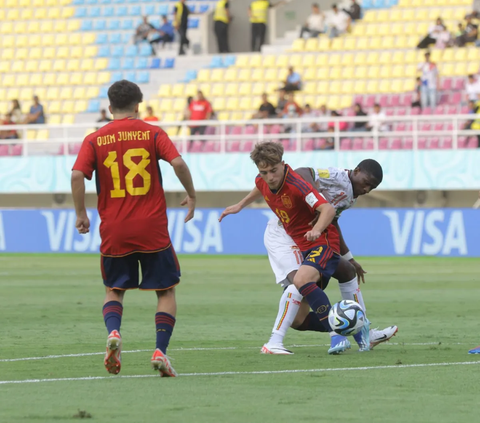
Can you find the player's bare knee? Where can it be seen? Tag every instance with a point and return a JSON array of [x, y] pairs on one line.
[[166, 293]]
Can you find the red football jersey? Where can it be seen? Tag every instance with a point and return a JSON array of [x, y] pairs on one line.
[[295, 204], [131, 202]]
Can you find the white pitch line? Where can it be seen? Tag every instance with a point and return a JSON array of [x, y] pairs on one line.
[[46, 357], [260, 372]]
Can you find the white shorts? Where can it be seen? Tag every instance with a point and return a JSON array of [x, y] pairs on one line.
[[284, 255]]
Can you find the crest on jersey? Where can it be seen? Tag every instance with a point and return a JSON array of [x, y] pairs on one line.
[[287, 202]]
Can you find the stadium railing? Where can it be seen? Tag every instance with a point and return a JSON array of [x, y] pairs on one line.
[[403, 132]]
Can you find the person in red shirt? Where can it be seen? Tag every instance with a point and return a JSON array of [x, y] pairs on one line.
[[199, 109], [131, 204], [150, 116], [296, 203]]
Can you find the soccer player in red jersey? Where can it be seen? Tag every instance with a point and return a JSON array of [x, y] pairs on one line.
[[131, 203], [296, 203]]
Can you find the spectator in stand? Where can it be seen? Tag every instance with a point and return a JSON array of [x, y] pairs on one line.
[[281, 101], [103, 116], [355, 11], [359, 126], [342, 126], [472, 88], [323, 112], [36, 115], [338, 22], [470, 33], [16, 112], [434, 32], [291, 111], [9, 134], [315, 24], [376, 120], [258, 14], [181, 13], [266, 109], [417, 93], [430, 80], [142, 31], [293, 81], [221, 21], [472, 109], [166, 34], [150, 116], [199, 109], [309, 115]]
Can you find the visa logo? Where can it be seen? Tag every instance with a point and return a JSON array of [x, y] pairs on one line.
[[435, 232]]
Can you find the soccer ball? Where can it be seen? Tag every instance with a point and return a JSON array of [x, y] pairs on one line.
[[346, 317]]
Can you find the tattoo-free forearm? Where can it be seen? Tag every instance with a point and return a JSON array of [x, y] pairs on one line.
[[343, 245], [327, 213], [78, 191]]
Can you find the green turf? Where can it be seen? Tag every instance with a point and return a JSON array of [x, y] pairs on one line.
[[51, 305]]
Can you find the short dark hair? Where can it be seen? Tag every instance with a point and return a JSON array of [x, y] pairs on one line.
[[376, 105], [372, 167], [124, 95]]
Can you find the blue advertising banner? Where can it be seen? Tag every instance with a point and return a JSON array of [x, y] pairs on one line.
[[368, 232]]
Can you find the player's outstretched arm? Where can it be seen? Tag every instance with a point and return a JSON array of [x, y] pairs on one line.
[[345, 252], [327, 213], [78, 192], [185, 177], [255, 194]]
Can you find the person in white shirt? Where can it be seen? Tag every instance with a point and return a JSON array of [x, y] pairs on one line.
[[376, 120], [434, 32], [472, 88], [339, 22], [315, 24], [429, 77]]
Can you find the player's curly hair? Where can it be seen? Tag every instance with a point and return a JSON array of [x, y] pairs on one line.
[[267, 153], [124, 96], [372, 167]]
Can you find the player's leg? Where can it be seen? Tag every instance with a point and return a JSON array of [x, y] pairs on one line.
[[161, 273], [119, 274], [319, 263]]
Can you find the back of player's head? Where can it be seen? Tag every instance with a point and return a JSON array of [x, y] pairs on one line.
[[372, 167], [267, 153], [124, 96]]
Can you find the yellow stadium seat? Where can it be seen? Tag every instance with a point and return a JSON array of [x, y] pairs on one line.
[[472, 68], [372, 30], [203, 75], [13, 15], [245, 104], [21, 54], [374, 72], [67, 12], [369, 16], [255, 61], [323, 87], [336, 87], [6, 28], [52, 93], [337, 44], [59, 26], [359, 30], [245, 89], [73, 65], [22, 41], [268, 61], [473, 54], [18, 66], [31, 134], [360, 59], [398, 71], [218, 104], [230, 75], [218, 90], [59, 65], [90, 78], [66, 93], [168, 117], [36, 79], [54, 119], [103, 78], [372, 87], [68, 119], [40, 13], [101, 64], [298, 45], [49, 79], [310, 74], [43, 134], [398, 57], [22, 80], [408, 85], [244, 75], [347, 87], [335, 72], [38, 3], [460, 55], [80, 106], [361, 72], [7, 41], [310, 88], [362, 43], [13, 93], [25, 94], [385, 58], [73, 25], [242, 61], [4, 66], [350, 44], [334, 59], [76, 78], [310, 45], [61, 40], [165, 105], [178, 105], [217, 75], [384, 87], [88, 38], [359, 87], [178, 90], [282, 61], [258, 89], [388, 43], [375, 43], [191, 89], [91, 51], [206, 89], [40, 92], [410, 71], [324, 44], [372, 58], [410, 57], [308, 60], [322, 73], [63, 52], [49, 53], [348, 72], [8, 81], [271, 75], [165, 91], [31, 66], [231, 103], [223, 115], [461, 69], [258, 74], [76, 39], [92, 92]]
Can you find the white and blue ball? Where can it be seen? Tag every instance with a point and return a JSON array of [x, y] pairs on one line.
[[346, 317]]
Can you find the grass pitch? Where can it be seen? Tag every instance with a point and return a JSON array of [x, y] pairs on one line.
[[50, 305]]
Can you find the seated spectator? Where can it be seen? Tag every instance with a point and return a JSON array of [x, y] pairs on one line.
[[8, 135], [36, 114], [469, 35], [293, 81], [342, 126], [338, 22], [292, 109], [472, 109], [355, 11], [150, 116], [315, 24], [166, 34], [376, 120], [103, 116], [16, 112], [359, 126], [323, 112], [309, 115], [142, 31], [472, 88], [266, 109], [282, 100], [434, 32], [199, 109]]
